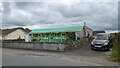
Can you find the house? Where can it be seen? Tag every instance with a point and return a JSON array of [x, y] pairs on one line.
[[14, 33], [105, 31], [96, 32], [61, 34], [27, 37], [112, 31]]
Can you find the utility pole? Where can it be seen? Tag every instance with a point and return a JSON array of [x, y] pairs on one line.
[[84, 23], [84, 29]]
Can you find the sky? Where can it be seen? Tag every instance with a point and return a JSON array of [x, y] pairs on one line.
[[46, 14]]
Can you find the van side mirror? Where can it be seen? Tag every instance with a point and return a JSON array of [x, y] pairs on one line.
[[110, 38]]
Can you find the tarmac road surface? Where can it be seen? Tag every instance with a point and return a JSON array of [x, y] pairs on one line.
[[24, 60]]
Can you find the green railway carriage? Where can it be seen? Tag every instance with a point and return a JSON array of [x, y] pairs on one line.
[[61, 34]]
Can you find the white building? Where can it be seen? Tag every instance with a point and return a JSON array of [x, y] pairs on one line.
[[112, 31], [15, 33], [27, 37]]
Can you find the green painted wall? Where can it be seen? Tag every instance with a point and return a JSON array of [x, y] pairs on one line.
[[51, 37]]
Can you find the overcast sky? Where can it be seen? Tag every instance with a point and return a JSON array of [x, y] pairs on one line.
[[37, 15]]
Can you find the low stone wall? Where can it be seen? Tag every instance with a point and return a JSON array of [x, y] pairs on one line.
[[0, 43], [35, 45]]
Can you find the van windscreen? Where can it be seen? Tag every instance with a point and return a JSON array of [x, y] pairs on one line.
[[101, 37]]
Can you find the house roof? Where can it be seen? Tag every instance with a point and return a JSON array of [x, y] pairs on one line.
[[7, 31], [60, 29]]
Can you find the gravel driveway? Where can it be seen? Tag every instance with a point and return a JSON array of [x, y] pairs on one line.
[[87, 54], [86, 51]]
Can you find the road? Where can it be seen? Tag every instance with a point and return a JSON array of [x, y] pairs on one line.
[[23, 60], [83, 56]]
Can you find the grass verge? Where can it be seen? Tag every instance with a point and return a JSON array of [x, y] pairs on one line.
[[115, 55]]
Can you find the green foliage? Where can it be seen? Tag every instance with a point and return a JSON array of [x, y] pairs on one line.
[[70, 36], [115, 56], [116, 52]]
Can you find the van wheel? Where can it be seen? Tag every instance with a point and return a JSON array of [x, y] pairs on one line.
[[92, 48], [108, 48], [111, 46]]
